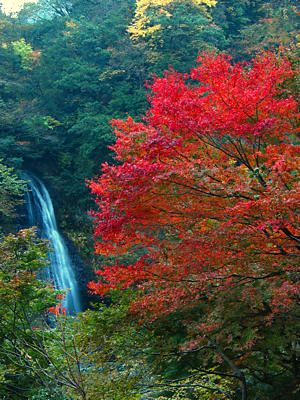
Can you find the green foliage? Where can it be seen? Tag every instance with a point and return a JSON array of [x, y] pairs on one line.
[[24, 51], [93, 356], [44, 394], [197, 386], [108, 344], [12, 190], [185, 30], [145, 23], [251, 26], [42, 356], [277, 26], [24, 300]]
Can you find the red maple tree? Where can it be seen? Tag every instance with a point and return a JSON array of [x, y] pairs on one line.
[[207, 189]]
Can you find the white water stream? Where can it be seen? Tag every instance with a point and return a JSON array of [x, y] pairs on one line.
[[61, 269]]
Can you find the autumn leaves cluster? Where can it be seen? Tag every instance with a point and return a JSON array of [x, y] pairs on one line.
[[205, 195]]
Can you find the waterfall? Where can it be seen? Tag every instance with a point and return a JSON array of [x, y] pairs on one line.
[[61, 269]]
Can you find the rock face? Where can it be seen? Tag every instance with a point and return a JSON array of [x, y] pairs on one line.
[[83, 274], [62, 270]]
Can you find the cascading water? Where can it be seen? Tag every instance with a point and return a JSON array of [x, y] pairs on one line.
[[61, 269]]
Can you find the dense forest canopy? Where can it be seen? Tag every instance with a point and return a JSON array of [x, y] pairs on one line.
[[70, 67], [190, 111]]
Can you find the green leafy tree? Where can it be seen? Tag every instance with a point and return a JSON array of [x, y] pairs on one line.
[[24, 299], [145, 23], [25, 52], [185, 30], [38, 355], [12, 190]]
